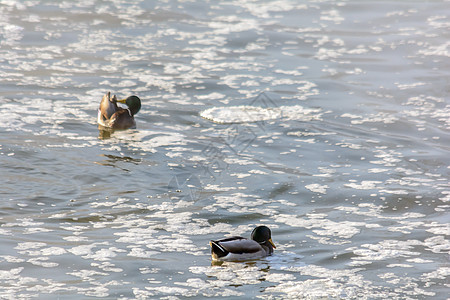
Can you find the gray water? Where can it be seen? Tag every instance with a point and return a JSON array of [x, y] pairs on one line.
[[342, 148]]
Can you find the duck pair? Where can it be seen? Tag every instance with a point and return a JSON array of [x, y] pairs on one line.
[[234, 248]]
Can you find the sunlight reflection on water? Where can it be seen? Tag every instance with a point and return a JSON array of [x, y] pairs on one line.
[[327, 121]]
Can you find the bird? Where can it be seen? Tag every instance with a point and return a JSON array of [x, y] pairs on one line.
[[237, 248], [114, 117]]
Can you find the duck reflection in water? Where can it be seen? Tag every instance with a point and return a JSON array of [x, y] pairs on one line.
[[119, 162]]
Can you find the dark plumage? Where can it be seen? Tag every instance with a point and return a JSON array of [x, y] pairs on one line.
[[237, 248], [112, 116]]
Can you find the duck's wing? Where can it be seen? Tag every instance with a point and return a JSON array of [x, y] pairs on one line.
[[122, 119], [239, 245], [236, 249], [108, 106]]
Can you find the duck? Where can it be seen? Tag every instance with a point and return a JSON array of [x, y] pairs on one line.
[[237, 248], [114, 117]]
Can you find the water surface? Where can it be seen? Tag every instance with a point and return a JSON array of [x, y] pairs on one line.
[[327, 121]]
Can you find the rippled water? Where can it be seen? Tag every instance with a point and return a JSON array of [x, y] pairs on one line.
[[328, 121]]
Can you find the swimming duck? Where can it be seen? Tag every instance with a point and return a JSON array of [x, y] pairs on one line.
[[237, 248], [112, 116]]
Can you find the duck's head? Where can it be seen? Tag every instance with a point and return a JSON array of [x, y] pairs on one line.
[[262, 234], [133, 103]]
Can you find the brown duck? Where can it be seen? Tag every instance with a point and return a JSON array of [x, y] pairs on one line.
[[112, 116]]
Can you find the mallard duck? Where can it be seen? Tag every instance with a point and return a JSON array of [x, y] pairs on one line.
[[237, 248], [112, 116]]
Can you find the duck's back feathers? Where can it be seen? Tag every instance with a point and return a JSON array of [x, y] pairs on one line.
[[122, 119], [237, 248], [239, 245]]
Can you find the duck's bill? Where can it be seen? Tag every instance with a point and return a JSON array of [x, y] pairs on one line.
[[122, 100], [273, 245]]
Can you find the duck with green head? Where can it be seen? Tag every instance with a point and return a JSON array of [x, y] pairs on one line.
[[237, 248], [114, 117]]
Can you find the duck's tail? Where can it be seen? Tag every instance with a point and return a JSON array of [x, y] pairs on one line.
[[217, 251]]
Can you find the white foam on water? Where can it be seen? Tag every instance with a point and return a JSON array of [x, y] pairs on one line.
[[249, 114], [352, 182]]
